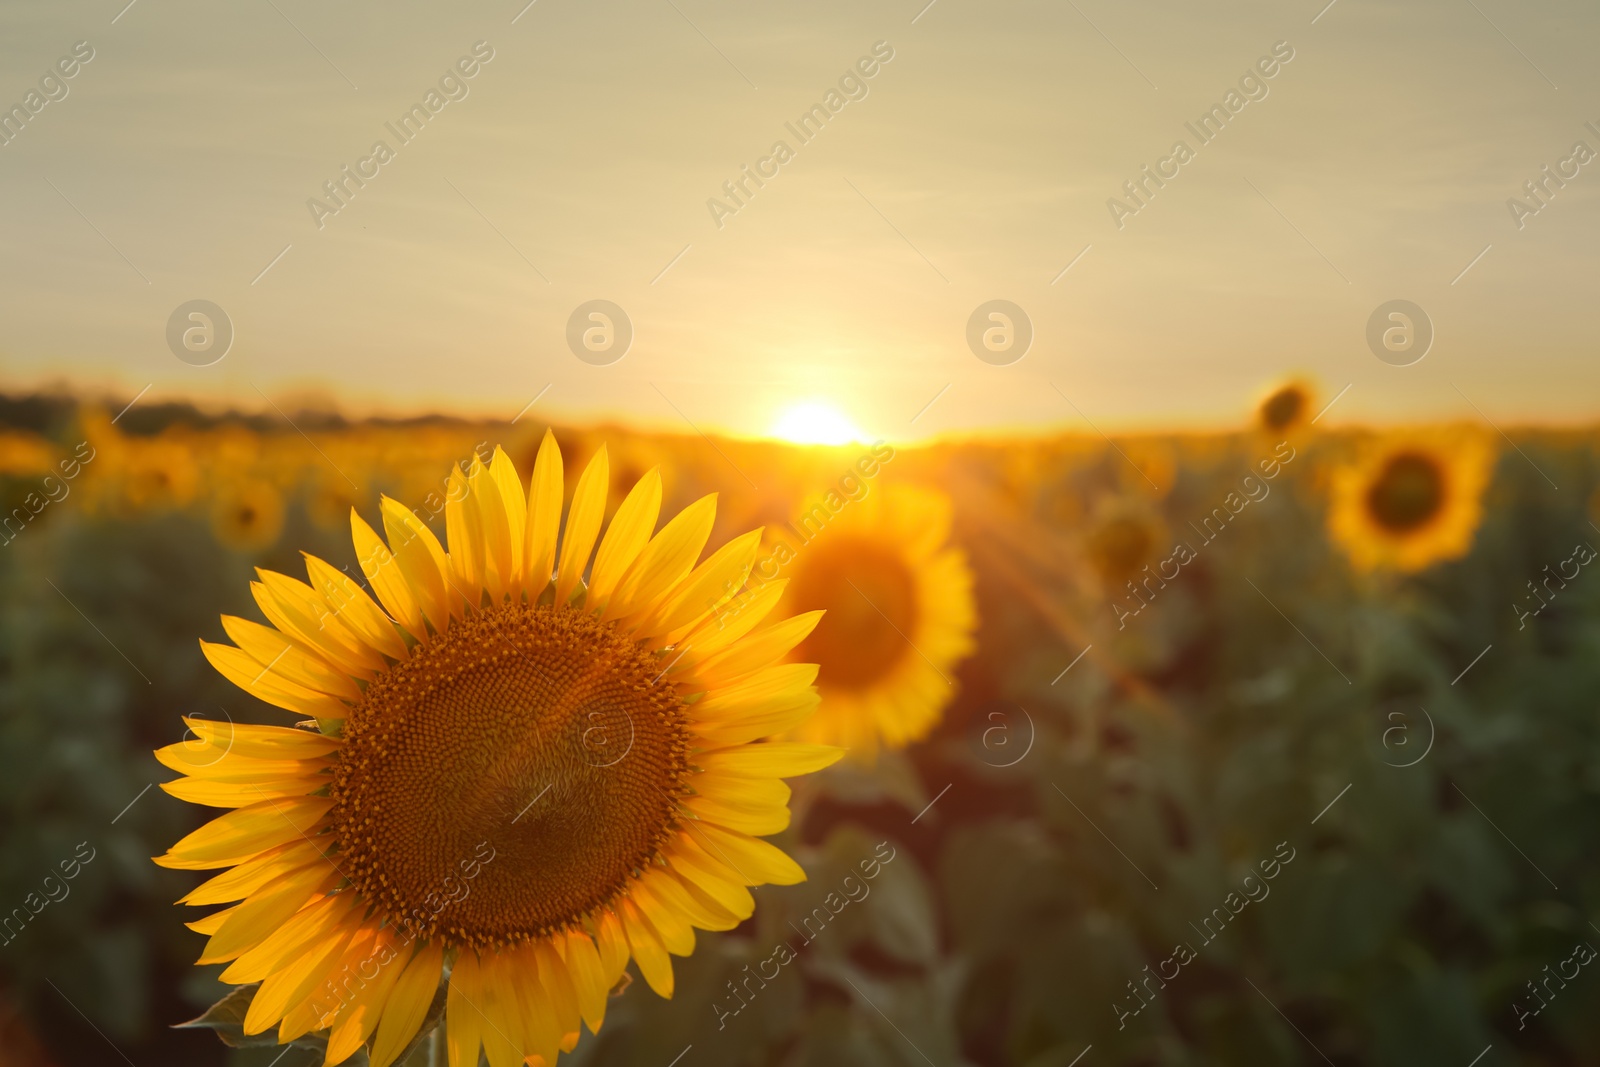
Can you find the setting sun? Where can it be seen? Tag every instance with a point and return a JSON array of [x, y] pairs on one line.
[[815, 422]]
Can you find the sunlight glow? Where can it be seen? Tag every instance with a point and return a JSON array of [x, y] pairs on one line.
[[815, 422]]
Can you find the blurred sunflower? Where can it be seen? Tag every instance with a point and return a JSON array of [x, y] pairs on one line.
[[247, 514], [1286, 409], [900, 616], [159, 473], [330, 497], [25, 454], [1411, 499], [517, 779], [1123, 536]]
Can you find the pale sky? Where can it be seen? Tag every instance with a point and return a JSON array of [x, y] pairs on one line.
[[978, 165]]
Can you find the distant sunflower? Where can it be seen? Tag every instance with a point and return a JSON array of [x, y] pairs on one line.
[[247, 514], [1286, 408], [26, 454], [1411, 500], [330, 498], [900, 616], [511, 777], [160, 473], [1123, 536]]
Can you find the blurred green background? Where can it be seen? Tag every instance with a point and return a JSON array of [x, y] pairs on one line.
[[1084, 821]]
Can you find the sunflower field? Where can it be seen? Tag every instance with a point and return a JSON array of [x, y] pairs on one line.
[[576, 744]]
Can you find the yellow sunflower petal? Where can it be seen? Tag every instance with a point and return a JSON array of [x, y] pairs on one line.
[[503, 1037], [557, 982], [501, 569], [358, 1019], [538, 1017], [300, 611], [699, 911], [514, 505], [287, 987], [240, 834], [761, 649], [219, 764], [307, 926], [422, 563], [284, 658], [213, 922], [675, 934], [355, 608], [708, 587], [584, 517], [265, 742], [772, 759], [463, 525], [757, 859], [612, 944], [647, 949], [253, 874], [588, 979], [379, 565], [463, 1016], [408, 1005], [625, 538], [745, 816], [243, 671], [666, 559], [218, 794], [732, 622], [544, 515], [722, 883]]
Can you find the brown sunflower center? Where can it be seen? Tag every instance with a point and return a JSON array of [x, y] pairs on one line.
[[871, 601], [1121, 545], [1408, 492], [1283, 408], [508, 777]]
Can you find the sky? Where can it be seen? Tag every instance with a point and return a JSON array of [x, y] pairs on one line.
[[984, 158]]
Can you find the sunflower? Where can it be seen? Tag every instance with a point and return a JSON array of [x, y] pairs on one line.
[[510, 777], [248, 514], [25, 454], [900, 616], [1286, 408], [1124, 536], [160, 473], [1411, 499]]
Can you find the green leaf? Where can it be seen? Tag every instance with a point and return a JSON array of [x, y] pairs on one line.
[[226, 1018]]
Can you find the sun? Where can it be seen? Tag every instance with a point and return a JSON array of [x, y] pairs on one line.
[[815, 422]]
